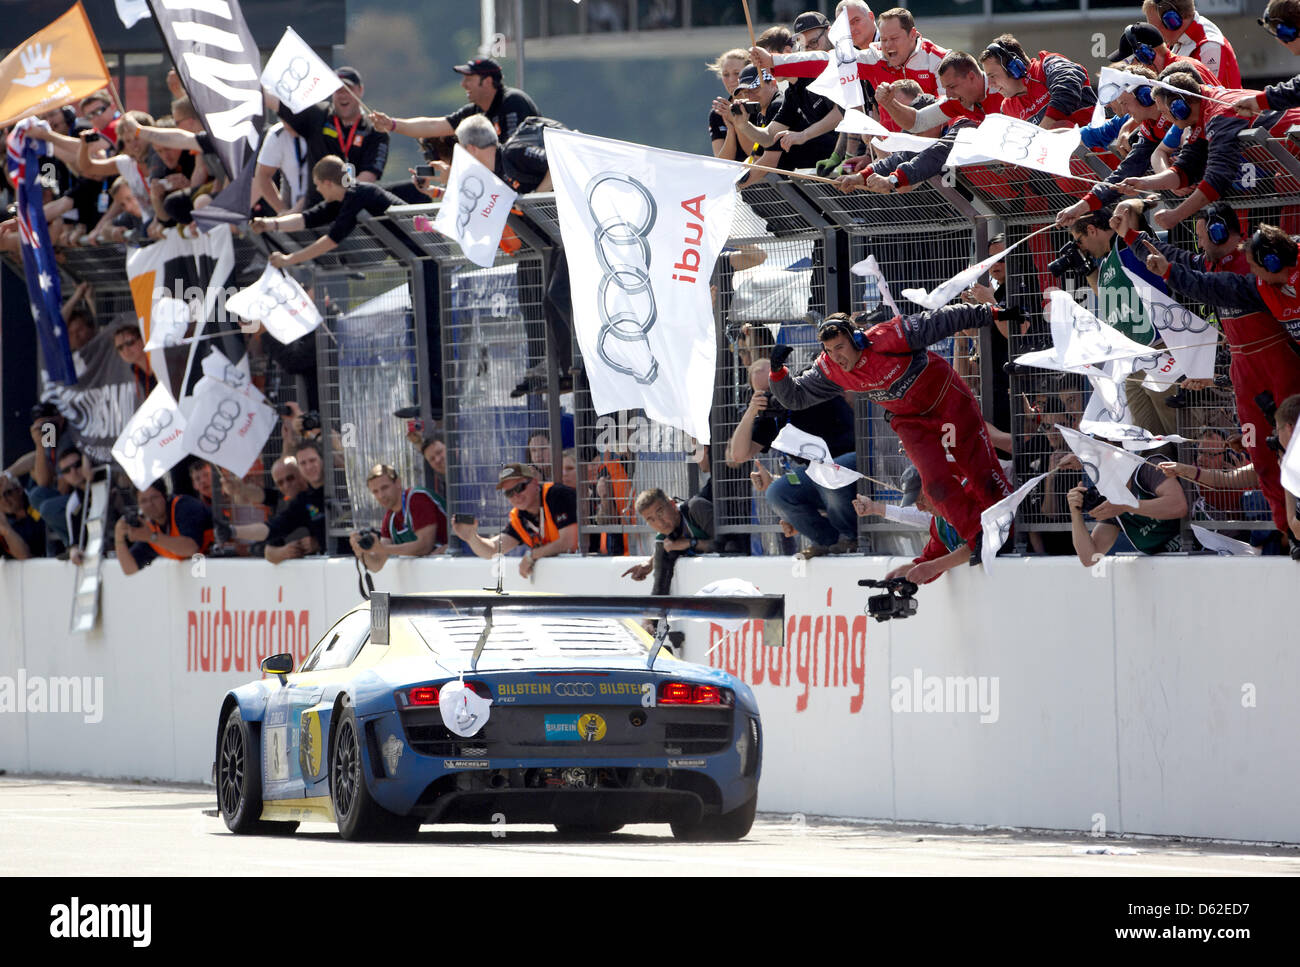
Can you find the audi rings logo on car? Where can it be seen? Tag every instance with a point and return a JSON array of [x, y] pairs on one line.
[[471, 190], [575, 689], [291, 78], [624, 254], [150, 429], [222, 422]]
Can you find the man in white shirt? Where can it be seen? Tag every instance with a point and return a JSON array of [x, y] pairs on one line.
[[285, 151]]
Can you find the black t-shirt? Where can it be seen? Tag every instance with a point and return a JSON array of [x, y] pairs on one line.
[[30, 529], [800, 111], [306, 511], [718, 131], [506, 112], [521, 166], [832, 420], [357, 143], [341, 216], [562, 502]]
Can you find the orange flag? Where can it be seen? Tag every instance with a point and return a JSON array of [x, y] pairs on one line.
[[55, 66]]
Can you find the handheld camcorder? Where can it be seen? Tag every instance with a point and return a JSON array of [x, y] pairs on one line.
[[896, 602]]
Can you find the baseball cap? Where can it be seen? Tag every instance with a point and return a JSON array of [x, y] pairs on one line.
[[351, 75], [750, 77], [482, 66], [1135, 35], [911, 486], [809, 20], [514, 471]]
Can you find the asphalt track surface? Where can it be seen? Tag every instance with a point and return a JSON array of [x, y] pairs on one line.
[[73, 827]]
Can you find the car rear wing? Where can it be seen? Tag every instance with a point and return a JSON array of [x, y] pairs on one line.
[[769, 608]]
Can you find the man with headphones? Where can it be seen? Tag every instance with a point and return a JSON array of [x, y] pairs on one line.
[[1264, 359], [1050, 90], [1188, 34], [344, 198], [1144, 44], [934, 413], [1282, 20], [1212, 150]]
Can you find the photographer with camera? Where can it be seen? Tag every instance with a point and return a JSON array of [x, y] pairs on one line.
[[934, 413], [1154, 526], [172, 527], [413, 525], [543, 518]]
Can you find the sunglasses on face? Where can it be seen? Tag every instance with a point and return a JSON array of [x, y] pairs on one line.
[[516, 489], [96, 112], [68, 469]]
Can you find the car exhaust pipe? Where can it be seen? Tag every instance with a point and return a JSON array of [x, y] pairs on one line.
[[499, 780]]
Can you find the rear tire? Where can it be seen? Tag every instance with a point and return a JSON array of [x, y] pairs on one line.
[[359, 817], [726, 828]]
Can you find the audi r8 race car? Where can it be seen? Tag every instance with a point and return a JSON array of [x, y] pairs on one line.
[[496, 708]]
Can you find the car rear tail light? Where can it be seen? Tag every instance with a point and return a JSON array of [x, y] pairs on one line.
[[423, 695], [479, 689], [684, 693]]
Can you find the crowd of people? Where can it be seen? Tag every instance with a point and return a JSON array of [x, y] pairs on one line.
[[128, 177]]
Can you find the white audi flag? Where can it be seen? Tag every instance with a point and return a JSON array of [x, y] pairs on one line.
[[1016, 142], [153, 441], [945, 292], [1079, 337], [296, 76], [279, 303], [997, 520], [1191, 339], [1221, 545], [1128, 436], [1291, 469], [642, 229], [1111, 83], [869, 268], [1106, 466], [474, 208], [855, 122], [822, 468], [228, 426], [839, 81]]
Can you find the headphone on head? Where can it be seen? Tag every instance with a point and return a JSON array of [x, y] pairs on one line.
[[1273, 255], [1283, 31], [1015, 66], [1144, 95], [842, 326], [1171, 18], [1180, 108], [1143, 52], [1220, 222]]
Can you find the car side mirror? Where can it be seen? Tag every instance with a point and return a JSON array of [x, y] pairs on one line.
[[280, 665]]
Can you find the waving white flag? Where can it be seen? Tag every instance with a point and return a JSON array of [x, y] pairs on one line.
[[131, 12], [947, 291], [296, 75], [869, 268], [822, 468], [642, 230], [997, 519], [228, 426], [279, 303], [1079, 337], [1191, 339], [1016, 142], [475, 208], [1108, 467], [1128, 436], [1291, 469], [1221, 545], [855, 122], [153, 441], [839, 81]]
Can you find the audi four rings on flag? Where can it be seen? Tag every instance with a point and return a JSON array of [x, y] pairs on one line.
[[1016, 142], [839, 80], [153, 441], [228, 426], [296, 76], [279, 303], [474, 208], [1191, 339], [642, 229]]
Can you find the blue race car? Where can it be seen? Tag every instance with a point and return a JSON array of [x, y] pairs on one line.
[[496, 708]]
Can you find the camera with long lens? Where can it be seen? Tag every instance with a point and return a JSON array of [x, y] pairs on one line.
[[366, 538], [1072, 263], [898, 601]]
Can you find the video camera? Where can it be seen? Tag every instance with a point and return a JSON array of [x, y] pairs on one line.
[[896, 602], [1072, 263]]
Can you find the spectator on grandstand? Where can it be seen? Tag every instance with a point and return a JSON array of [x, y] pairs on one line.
[[683, 528], [129, 345], [411, 524], [342, 200], [795, 496], [297, 527], [1213, 147], [1282, 20], [129, 163], [757, 100], [99, 111], [890, 363], [340, 131], [177, 527], [282, 152], [1188, 34], [504, 107], [1152, 526], [722, 136], [543, 518], [22, 535], [944, 550], [1048, 90]]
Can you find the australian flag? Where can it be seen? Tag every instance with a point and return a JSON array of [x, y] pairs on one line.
[[43, 289]]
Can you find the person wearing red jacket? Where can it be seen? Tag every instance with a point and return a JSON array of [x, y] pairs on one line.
[[967, 90], [934, 413], [1143, 44], [901, 52], [1210, 151], [1282, 22], [1050, 90], [1264, 359], [1188, 34]]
